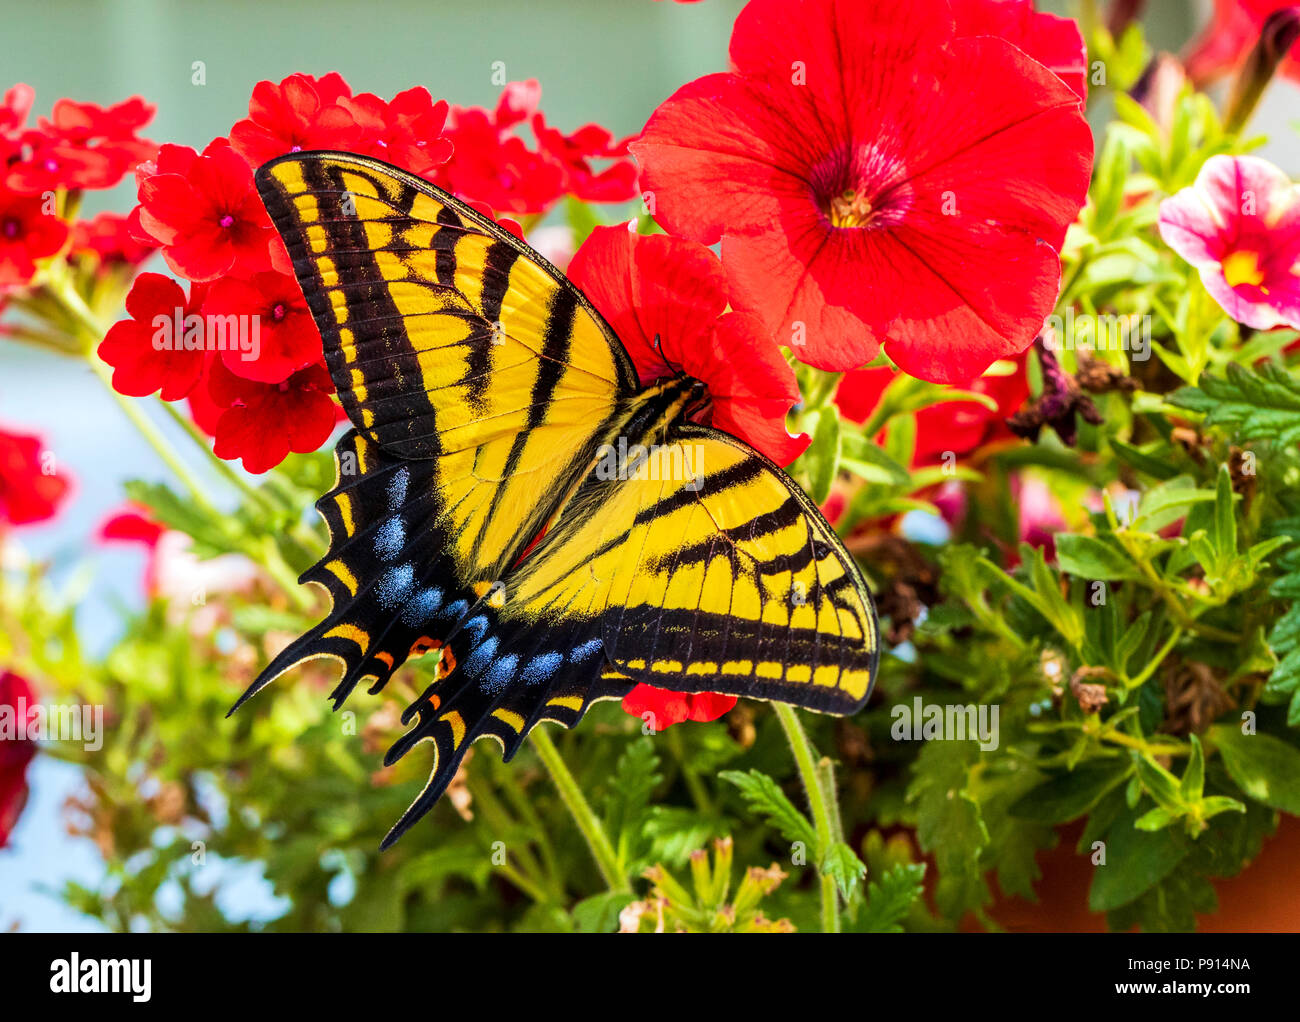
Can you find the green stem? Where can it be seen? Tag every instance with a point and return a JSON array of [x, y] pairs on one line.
[[1157, 660], [500, 821], [153, 436], [602, 851], [818, 803], [693, 783]]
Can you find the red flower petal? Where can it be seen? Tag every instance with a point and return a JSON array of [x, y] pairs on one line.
[[877, 181], [668, 708]]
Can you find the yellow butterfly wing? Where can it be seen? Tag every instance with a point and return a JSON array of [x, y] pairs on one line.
[[448, 338], [484, 390]]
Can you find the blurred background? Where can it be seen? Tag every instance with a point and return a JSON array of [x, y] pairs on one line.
[[608, 61]]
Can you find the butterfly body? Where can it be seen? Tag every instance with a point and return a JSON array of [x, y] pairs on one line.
[[514, 499]]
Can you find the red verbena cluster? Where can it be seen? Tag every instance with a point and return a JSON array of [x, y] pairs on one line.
[[266, 392], [79, 147]]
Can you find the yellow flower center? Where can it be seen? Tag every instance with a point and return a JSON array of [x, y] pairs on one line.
[[850, 209], [1242, 267]]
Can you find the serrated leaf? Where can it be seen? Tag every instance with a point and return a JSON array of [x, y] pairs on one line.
[[1260, 404], [890, 899], [766, 799], [844, 866]]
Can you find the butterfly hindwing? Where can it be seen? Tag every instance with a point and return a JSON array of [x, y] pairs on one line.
[[708, 570]]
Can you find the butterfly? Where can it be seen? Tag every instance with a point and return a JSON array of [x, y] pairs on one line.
[[511, 498]]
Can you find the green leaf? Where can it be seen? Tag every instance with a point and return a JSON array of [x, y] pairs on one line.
[[635, 777], [1086, 557], [1260, 404], [950, 825], [890, 900], [599, 913], [842, 863], [1266, 768], [1158, 465], [1070, 795], [1136, 860], [766, 799], [821, 461]]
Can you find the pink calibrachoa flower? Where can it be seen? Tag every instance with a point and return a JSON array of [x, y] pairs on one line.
[[876, 179], [1239, 225]]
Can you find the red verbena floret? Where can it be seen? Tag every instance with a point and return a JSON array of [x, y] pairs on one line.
[[206, 214]]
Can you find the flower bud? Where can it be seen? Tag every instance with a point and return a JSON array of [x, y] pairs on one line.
[[1280, 32]]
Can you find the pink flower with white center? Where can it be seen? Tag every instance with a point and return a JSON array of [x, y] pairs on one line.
[[1239, 225]]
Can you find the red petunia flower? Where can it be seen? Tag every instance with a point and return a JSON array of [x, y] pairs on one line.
[[162, 346], [206, 213], [1054, 42], [18, 700], [1231, 34], [107, 236], [668, 708], [31, 487], [406, 131], [205, 410], [268, 316], [954, 427], [300, 113], [666, 299], [876, 179], [1239, 225], [27, 234], [135, 524], [263, 422]]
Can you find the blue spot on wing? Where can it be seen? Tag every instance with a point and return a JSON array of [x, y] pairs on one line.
[[584, 652], [478, 625], [478, 661], [390, 539], [395, 585], [421, 607], [500, 674], [397, 488], [539, 668]]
